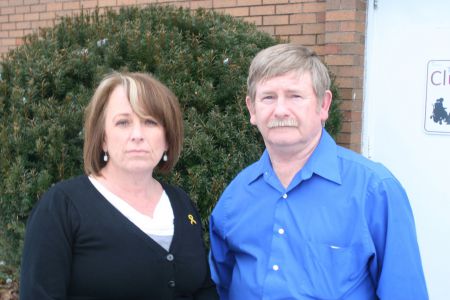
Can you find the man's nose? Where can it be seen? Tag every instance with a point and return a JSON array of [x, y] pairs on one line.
[[281, 106]]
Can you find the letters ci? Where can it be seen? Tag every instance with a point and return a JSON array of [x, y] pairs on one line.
[[440, 78]]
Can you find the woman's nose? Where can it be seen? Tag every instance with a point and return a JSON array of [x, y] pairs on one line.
[[136, 133]]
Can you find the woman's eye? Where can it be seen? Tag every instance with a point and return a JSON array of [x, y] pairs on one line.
[[122, 123], [150, 122]]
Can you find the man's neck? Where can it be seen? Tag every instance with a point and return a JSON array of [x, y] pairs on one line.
[[288, 162]]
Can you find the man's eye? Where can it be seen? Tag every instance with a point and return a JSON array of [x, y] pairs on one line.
[[267, 99]]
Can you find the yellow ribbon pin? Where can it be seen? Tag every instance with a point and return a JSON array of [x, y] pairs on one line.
[[191, 219]]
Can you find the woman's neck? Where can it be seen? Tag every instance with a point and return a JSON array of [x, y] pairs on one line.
[[141, 191]]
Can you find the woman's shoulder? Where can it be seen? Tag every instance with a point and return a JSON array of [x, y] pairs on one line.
[[65, 189]]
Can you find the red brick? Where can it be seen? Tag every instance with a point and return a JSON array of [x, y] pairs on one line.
[[268, 29], [332, 26], [23, 25], [107, 3], [275, 1], [224, 3], [340, 15], [15, 33], [126, 2], [54, 6], [262, 10], [236, 11], [42, 23], [347, 82], [249, 2], [8, 42], [204, 4], [276, 20], [350, 4], [255, 20], [8, 26], [340, 37], [38, 8], [31, 17], [288, 29], [350, 71], [320, 17], [306, 40], [14, 2], [303, 18], [72, 5], [7, 11], [320, 39], [88, 4], [314, 7], [47, 16], [313, 28], [22, 9], [288, 9], [16, 18]]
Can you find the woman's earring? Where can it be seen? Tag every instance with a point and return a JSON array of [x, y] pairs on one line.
[[105, 157], [165, 158]]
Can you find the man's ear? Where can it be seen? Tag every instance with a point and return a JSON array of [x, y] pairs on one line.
[[251, 109], [326, 104]]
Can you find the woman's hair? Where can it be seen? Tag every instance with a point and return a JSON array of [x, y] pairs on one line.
[[283, 58], [148, 97]]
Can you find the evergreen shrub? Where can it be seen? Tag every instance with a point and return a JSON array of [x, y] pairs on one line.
[[45, 84]]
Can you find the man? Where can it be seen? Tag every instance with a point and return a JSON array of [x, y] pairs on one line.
[[310, 219]]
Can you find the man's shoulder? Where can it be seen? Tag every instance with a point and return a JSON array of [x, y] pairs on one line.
[[355, 161], [247, 174]]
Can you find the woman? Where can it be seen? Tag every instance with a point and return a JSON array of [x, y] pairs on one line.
[[117, 232]]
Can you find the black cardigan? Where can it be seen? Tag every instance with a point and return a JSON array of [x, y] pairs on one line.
[[78, 246]]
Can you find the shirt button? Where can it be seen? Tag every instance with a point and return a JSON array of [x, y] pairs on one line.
[[275, 267], [281, 231], [169, 257], [171, 284], [285, 196]]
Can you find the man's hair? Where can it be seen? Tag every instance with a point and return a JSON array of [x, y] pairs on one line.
[[283, 58], [148, 97]]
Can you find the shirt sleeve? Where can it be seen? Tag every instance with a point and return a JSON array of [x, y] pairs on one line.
[[396, 269], [220, 258], [47, 255]]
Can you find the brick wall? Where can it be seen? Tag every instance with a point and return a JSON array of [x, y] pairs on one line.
[[334, 28]]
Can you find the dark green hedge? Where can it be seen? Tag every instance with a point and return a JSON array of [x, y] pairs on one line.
[[45, 84]]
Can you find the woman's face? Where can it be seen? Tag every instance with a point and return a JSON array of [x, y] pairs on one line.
[[134, 145]]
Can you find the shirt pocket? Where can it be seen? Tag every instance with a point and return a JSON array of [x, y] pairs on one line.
[[332, 270]]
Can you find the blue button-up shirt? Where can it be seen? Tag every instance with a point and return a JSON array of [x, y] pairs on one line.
[[342, 229]]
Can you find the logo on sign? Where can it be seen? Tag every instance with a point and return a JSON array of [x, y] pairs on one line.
[[437, 115]]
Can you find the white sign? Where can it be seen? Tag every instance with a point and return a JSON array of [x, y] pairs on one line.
[[437, 106]]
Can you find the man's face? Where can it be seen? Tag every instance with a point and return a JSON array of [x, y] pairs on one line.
[[287, 112]]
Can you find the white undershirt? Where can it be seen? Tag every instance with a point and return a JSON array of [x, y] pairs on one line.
[[160, 228]]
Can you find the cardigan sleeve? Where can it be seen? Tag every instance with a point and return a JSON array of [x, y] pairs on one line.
[[47, 255]]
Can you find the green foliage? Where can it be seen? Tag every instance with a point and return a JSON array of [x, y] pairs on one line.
[[46, 83]]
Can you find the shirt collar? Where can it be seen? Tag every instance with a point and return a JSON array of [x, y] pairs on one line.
[[323, 161]]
